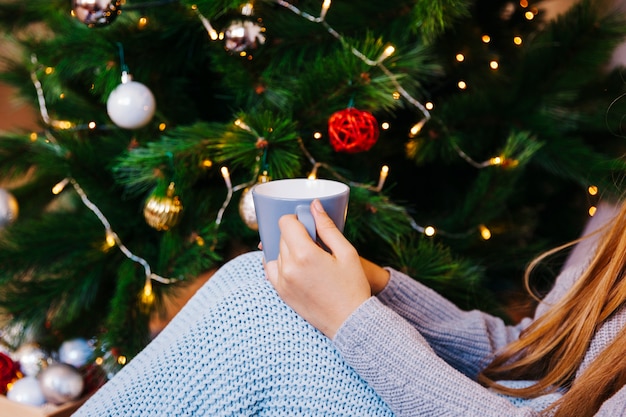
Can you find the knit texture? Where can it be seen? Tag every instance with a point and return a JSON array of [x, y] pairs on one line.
[[236, 349]]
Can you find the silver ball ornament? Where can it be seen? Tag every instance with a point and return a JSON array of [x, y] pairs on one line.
[[27, 390], [32, 358], [61, 383], [96, 13], [8, 208], [131, 105]]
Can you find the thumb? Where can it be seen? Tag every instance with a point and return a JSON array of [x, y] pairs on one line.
[[326, 228]]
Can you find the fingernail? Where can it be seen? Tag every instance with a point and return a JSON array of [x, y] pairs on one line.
[[318, 205]]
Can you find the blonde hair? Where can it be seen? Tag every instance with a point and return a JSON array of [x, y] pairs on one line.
[[552, 348]]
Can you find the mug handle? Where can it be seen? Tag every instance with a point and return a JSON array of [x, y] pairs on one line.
[[303, 213]]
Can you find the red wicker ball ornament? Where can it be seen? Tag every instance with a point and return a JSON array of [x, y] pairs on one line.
[[352, 130]]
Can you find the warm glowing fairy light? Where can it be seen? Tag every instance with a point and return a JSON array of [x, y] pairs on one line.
[[143, 22], [396, 95], [486, 38], [207, 163], [485, 233], [416, 128], [62, 96], [517, 40], [162, 126], [493, 65], [386, 53], [49, 70], [110, 239], [384, 172], [496, 160], [529, 15], [60, 186], [462, 85], [213, 35], [592, 190], [523, 3], [429, 105], [385, 125], [429, 231], [121, 360], [325, 7], [592, 211], [460, 57], [91, 125], [226, 176], [33, 136], [317, 135]]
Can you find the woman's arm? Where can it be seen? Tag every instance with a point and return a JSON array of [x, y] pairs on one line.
[[402, 368]]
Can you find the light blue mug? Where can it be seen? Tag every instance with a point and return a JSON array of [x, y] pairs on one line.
[[274, 199]]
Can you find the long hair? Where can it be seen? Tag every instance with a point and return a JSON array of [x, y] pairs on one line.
[[552, 348]]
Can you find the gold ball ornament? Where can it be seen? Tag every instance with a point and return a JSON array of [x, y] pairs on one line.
[[246, 204], [163, 212], [9, 208]]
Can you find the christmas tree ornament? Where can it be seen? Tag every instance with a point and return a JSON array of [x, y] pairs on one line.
[[9, 208], [31, 358], [27, 391], [9, 372], [352, 130], [96, 13], [163, 212], [61, 383], [76, 352], [131, 104], [244, 33], [246, 203]]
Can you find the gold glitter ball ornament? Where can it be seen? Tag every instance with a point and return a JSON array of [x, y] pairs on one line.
[[163, 212], [246, 203]]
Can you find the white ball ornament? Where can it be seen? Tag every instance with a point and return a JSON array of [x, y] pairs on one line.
[[131, 105], [27, 390], [61, 383], [75, 352]]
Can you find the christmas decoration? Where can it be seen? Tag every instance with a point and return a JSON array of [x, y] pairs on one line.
[[163, 212], [75, 352], [243, 35], [32, 358], [27, 391], [9, 208], [96, 13], [61, 383], [352, 130], [131, 104], [246, 203], [9, 372]]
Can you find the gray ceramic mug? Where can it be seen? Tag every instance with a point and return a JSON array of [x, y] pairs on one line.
[[274, 199]]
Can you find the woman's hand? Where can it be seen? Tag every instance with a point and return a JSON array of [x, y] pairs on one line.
[[324, 288]]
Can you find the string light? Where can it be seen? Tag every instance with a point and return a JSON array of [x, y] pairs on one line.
[[460, 57], [462, 85], [592, 190], [384, 171], [429, 231], [485, 233], [143, 22], [592, 211], [60, 186], [213, 35], [493, 65], [517, 40], [486, 38]]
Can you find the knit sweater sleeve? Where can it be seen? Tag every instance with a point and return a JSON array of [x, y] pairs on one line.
[[410, 377], [464, 339]]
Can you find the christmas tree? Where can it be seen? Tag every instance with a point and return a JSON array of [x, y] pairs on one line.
[[473, 134]]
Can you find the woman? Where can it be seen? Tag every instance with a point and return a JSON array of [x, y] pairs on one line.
[[237, 349]]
